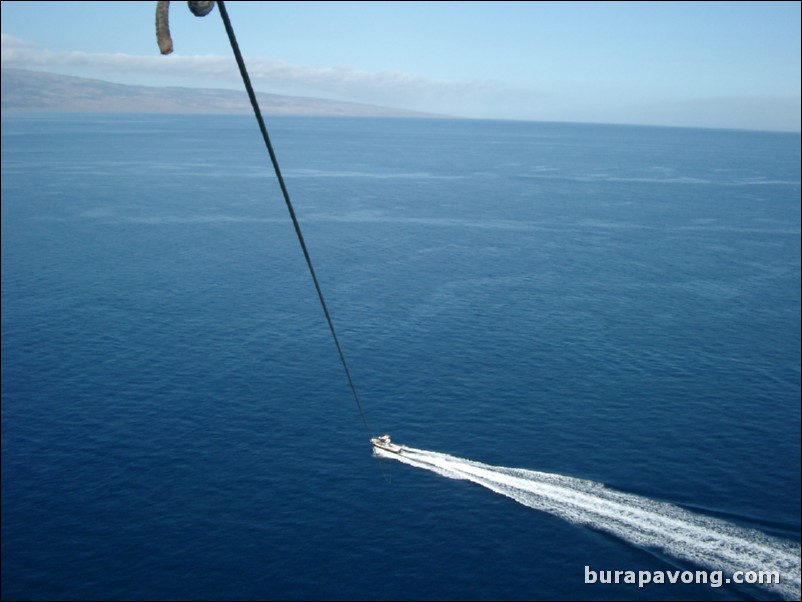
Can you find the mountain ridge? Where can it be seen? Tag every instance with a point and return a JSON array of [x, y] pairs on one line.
[[40, 91]]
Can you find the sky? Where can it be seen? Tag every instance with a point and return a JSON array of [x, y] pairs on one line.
[[697, 64]]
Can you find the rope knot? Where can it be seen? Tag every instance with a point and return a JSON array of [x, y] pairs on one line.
[[198, 8]]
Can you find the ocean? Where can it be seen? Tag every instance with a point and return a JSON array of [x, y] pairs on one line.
[[588, 337]]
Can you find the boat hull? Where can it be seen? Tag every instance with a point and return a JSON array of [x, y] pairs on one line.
[[385, 444]]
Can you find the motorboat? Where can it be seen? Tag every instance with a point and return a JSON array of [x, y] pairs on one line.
[[386, 444]]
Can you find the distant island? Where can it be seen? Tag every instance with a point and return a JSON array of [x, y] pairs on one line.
[[38, 91]]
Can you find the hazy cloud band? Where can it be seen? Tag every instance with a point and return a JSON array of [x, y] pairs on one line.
[[221, 70]]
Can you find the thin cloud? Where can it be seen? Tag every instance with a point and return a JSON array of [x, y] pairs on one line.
[[216, 70]]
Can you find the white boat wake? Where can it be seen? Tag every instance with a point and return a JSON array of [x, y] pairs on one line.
[[702, 540]]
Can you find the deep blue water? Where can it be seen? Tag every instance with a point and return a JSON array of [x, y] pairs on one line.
[[618, 304]]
